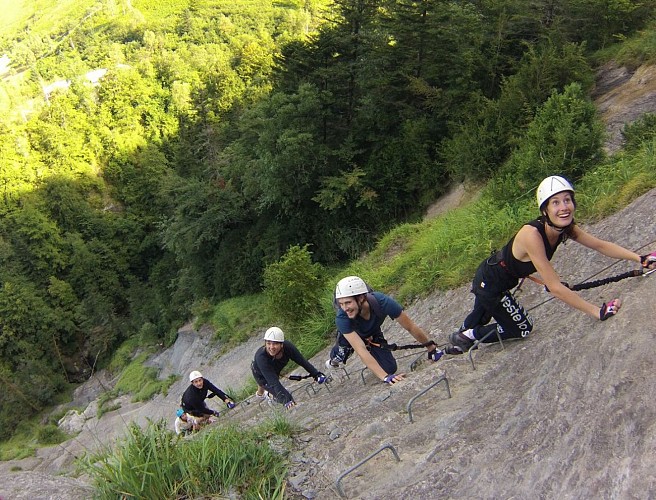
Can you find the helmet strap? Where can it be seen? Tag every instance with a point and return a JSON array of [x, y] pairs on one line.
[[555, 228], [548, 220]]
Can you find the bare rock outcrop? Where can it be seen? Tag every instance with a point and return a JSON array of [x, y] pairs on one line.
[[622, 96]]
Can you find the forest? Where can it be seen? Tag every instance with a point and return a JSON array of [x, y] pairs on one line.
[[158, 154]]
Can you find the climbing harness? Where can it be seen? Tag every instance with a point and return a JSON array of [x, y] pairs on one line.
[[496, 258]]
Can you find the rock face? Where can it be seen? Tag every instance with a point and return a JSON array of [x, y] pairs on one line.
[[72, 422], [565, 413], [34, 485], [622, 96]]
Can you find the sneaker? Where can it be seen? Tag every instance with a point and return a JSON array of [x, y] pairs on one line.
[[332, 363], [461, 341], [263, 397]]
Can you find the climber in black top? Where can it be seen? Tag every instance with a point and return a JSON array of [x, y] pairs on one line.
[[270, 359], [531, 250], [193, 399]]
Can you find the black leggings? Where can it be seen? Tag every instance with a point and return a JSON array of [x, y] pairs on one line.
[[512, 320]]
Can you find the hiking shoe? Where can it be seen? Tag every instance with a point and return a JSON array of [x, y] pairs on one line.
[[461, 341]]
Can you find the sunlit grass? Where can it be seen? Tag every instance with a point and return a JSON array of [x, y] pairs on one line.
[[142, 381], [31, 434], [617, 183], [22, 444], [160, 10], [277, 424], [234, 320]]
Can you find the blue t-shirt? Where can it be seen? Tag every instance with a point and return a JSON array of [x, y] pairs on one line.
[[371, 327]]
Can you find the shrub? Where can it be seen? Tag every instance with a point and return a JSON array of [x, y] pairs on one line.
[[50, 434], [293, 285], [639, 132], [141, 381], [565, 139]]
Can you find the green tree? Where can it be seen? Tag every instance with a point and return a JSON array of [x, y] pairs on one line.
[[37, 241], [566, 137], [479, 145]]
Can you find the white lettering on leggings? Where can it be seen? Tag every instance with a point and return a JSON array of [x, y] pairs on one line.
[[519, 316]]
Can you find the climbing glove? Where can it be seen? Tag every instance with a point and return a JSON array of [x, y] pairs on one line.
[[435, 354], [390, 379], [648, 261], [290, 404], [320, 378], [609, 309], [230, 405]]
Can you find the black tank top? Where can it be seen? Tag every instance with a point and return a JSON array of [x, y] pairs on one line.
[[519, 269], [502, 271]]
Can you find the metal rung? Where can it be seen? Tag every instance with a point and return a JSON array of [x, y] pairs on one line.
[[441, 379], [475, 346], [328, 382], [343, 368], [413, 365], [348, 471], [310, 387], [304, 386], [362, 375]]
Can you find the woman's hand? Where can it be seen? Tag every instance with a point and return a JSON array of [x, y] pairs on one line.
[[609, 309], [648, 261]]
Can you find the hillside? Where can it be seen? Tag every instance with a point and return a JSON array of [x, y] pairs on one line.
[[566, 413]]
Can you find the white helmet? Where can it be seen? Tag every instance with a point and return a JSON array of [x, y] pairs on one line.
[[350, 286], [274, 334], [194, 375], [550, 186]]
